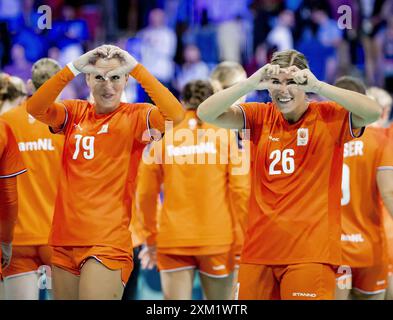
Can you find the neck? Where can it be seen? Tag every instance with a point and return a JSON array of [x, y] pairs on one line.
[[103, 110], [294, 116]]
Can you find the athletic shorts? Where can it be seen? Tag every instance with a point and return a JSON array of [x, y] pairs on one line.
[[72, 259], [368, 280], [28, 259], [308, 281], [215, 265]]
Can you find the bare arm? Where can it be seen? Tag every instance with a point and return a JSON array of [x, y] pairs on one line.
[[219, 109], [385, 186], [364, 110]]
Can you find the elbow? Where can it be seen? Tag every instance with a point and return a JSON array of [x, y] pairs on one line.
[[376, 114]]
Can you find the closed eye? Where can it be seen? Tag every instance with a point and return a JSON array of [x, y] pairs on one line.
[[291, 82]]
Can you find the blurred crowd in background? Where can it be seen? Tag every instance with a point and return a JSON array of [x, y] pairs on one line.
[[182, 40]]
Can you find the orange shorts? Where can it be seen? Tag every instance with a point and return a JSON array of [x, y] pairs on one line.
[[72, 259], [368, 280], [309, 281], [215, 265], [28, 259]]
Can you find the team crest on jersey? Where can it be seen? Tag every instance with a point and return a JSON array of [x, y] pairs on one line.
[[104, 129], [302, 136]]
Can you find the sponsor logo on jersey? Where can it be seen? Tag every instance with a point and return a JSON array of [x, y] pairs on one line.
[[39, 145], [104, 129], [274, 139], [356, 237], [302, 136], [304, 294], [201, 148]]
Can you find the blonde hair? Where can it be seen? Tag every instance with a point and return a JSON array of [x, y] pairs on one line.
[[11, 87], [43, 70], [225, 73], [381, 96], [288, 58]]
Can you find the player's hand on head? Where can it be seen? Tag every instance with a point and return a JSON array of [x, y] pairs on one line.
[[305, 79], [86, 62], [127, 61], [148, 257], [261, 79], [6, 254]]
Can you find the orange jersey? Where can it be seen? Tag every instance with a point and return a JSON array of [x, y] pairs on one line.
[[41, 152], [363, 238], [11, 163], [388, 219], [93, 204], [196, 210], [296, 181], [100, 159]]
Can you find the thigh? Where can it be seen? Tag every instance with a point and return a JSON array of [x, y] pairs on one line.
[[310, 281], [217, 288], [65, 284], [177, 284], [257, 282], [22, 287], [98, 282], [343, 283], [216, 273], [370, 283]]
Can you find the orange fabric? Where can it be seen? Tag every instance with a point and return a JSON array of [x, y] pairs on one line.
[[296, 185], [369, 280], [363, 236], [217, 265], [100, 160], [388, 226], [196, 251], [72, 259], [11, 165], [41, 152], [312, 281], [28, 259], [196, 209]]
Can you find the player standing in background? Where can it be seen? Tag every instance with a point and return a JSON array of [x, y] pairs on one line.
[[225, 75], [11, 165], [12, 92], [202, 195], [385, 100], [41, 152], [92, 247], [368, 166], [293, 237]]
